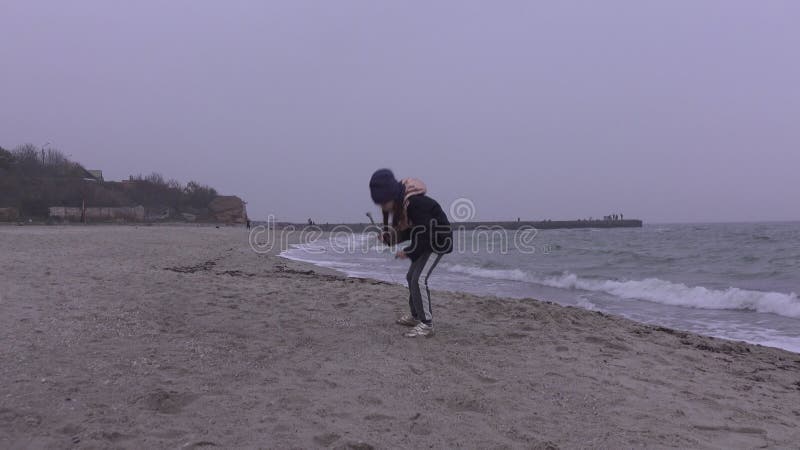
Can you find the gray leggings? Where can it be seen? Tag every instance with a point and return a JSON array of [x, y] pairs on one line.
[[419, 296]]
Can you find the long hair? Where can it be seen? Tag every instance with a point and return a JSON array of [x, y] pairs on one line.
[[409, 187]]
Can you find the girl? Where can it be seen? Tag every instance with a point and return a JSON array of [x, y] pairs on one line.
[[419, 219]]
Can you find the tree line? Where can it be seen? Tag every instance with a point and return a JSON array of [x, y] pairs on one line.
[[32, 179]]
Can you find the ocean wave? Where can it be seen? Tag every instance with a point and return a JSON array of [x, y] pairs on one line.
[[655, 290], [497, 274]]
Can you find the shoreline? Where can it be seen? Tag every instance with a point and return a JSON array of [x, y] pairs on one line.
[[169, 337], [320, 266]]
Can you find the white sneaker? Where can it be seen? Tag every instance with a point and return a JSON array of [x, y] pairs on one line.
[[420, 330], [407, 320]]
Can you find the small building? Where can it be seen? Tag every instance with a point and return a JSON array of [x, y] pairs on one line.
[[96, 174], [99, 214], [8, 214]]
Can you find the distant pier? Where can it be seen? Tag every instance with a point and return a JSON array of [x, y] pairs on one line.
[[555, 224], [508, 225]]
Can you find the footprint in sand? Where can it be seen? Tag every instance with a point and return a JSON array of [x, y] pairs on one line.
[[607, 344], [72, 429], [516, 335], [421, 429], [463, 404], [377, 417], [111, 436], [326, 439], [371, 400], [354, 446], [486, 379], [167, 402], [200, 444]]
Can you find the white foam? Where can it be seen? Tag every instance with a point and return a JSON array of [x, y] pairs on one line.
[[586, 304], [497, 274], [656, 291]]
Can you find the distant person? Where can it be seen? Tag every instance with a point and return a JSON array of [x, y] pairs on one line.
[[248, 224], [419, 219], [310, 222], [621, 216]]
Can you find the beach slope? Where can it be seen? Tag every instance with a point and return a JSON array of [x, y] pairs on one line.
[[180, 337]]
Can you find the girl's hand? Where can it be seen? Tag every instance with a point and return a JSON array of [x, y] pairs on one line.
[[401, 255]]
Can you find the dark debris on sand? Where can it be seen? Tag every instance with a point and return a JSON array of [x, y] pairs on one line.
[[202, 267]]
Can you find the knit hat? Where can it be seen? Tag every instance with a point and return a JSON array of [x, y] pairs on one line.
[[383, 186]]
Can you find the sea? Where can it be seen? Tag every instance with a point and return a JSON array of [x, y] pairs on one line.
[[737, 281]]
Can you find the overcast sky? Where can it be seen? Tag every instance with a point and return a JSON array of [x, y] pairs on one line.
[[673, 110]]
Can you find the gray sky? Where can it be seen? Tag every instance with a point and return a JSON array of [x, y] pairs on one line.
[[672, 110]]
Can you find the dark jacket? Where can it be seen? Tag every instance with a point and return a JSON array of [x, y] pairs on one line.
[[430, 230]]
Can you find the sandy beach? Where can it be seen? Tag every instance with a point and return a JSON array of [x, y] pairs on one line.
[[183, 337]]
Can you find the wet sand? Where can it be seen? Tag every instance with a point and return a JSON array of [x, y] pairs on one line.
[[183, 337]]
